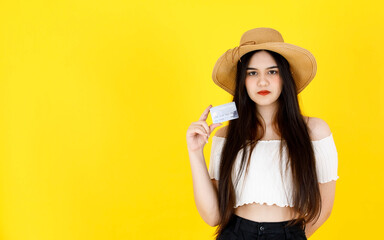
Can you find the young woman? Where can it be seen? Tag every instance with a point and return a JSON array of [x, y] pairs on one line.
[[272, 172]]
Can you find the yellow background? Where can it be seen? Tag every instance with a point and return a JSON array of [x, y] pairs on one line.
[[96, 98]]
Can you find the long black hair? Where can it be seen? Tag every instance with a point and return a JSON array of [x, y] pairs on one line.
[[245, 131]]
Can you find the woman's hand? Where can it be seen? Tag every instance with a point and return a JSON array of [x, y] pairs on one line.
[[198, 132]]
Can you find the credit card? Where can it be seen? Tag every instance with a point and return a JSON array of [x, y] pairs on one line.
[[224, 112]]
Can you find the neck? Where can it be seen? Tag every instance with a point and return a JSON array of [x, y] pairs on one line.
[[267, 112]]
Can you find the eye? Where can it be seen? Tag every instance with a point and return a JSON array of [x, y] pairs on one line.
[[252, 73], [273, 72]]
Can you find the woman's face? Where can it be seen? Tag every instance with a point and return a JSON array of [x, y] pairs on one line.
[[262, 74]]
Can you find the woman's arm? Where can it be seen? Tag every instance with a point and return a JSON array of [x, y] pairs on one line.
[[319, 129], [327, 191], [205, 193]]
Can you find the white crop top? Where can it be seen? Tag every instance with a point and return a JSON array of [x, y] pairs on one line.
[[263, 183]]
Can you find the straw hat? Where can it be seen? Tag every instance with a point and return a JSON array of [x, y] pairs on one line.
[[302, 62]]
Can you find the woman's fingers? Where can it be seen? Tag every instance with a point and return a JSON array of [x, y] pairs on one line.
[[202, 130], [205, 126], [201, 134], [202, 127], [204, 116]]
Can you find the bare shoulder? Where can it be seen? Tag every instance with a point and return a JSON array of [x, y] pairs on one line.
[[221, 132], [318, 128]]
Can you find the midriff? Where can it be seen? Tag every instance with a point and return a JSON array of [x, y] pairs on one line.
[[266, 213]]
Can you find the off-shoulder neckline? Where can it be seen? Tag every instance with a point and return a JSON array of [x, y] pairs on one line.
[[278, 140]]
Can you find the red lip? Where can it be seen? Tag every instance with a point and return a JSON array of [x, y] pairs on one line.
[[263, 92]]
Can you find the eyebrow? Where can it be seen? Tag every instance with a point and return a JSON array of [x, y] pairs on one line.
[[257, 69]]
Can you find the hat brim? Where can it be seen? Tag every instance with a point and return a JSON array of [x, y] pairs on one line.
[[302, 63]]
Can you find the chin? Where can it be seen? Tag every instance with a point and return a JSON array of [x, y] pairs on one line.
[[265, 103]]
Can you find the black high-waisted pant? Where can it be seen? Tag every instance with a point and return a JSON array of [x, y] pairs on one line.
[[244, 229]]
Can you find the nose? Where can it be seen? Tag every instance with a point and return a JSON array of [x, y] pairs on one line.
[[262, 81]]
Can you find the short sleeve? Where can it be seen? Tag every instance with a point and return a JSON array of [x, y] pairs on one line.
[[214, 162], [326, 159]]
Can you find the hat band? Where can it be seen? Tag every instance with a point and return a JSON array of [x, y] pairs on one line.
[[236, 49]]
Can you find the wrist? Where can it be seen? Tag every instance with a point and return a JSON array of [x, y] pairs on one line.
[[199, 154]]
